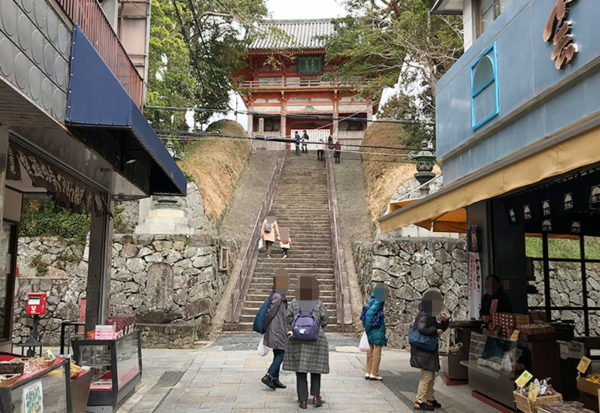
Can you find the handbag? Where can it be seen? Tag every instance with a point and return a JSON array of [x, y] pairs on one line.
[[421, 341], [260, 244], [262, 350], [364, 343], [377, 320]]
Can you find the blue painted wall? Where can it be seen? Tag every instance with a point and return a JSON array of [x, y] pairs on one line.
[[525, 71]]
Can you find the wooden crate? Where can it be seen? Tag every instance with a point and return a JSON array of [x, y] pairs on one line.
[[526, 405]]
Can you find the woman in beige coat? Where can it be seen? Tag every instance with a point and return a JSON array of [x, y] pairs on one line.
[[269, 232]]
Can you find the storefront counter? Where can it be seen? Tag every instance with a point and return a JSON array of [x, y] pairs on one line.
[[117, 367], [49, 388]]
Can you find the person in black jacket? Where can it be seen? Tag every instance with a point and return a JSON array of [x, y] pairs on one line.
[[305, 139], [276, 328], [494, 291], [429, 362], [297, 140]]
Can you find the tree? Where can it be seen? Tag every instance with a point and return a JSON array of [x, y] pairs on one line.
[[380, 40], [195, 45]]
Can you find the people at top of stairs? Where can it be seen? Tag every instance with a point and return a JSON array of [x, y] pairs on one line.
[[297, 141], [321, 150], [337, 151], [305, 142], [269, 231]]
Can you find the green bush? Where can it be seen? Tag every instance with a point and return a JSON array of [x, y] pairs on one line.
[[46, 219]]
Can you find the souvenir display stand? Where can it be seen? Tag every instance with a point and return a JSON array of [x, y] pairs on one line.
[[117, 367], [46, 389]]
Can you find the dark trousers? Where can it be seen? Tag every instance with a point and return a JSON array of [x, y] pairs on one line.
[[320, 154], [268, 246], [297, 149], [336, 155], [276, 364], [302, 385]]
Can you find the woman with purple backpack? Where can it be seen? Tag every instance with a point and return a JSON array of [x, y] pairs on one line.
[[374, 326], [307, 350]]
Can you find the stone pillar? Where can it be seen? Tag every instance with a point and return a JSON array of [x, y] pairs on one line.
[[250, 123], [336, 115], [99, 268], [283, 120]]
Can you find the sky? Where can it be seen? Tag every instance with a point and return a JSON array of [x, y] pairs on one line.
[[305, 9], [295, 9]]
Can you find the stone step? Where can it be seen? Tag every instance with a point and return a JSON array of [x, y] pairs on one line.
[[247, 326], [260, 298], [249, 318]]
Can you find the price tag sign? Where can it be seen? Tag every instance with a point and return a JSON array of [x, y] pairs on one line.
[[583, 365], [523, 379], [514, 336], [533, 392]]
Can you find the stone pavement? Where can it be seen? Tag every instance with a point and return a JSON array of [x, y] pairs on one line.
[[224, 376]]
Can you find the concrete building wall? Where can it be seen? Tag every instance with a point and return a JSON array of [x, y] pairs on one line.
[[35, 52]]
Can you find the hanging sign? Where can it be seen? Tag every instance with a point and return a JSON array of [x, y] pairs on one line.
[[474, 282], [584, 365], [576, 227], [523, 379], [558, 30], [527, 212], [547, 225], [512, 216], [546, 208], [67, 191], [568, 201], [514, 336], [595, 196]]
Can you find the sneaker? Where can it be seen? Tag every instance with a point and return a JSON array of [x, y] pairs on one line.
[[284, 257], [434, 403], [278, 384], [268, 381], [423, 406], [268, 256], [367, 376], [375, 378]]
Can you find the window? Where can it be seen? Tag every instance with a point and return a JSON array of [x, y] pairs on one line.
[[490, 10], [484, 88]]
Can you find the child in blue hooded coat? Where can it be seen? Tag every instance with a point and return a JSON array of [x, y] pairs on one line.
[[376, 335]]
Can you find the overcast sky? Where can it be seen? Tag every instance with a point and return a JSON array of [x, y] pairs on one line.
[[304, 9]]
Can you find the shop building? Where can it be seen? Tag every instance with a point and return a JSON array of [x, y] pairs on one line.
[[518, 123], [71, 129], [289, 86]]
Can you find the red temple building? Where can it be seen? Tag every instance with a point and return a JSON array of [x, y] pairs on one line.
[[294, 94]]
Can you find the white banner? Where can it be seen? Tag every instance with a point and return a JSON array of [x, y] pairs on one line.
[[474, 285]]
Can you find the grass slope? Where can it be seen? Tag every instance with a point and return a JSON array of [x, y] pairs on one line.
[[216, 164], [384, 173]]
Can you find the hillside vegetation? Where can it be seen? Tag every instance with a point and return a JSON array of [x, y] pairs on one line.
[[215, 165], [385, 173]]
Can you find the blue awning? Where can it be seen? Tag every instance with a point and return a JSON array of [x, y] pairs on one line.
[[102, 115]]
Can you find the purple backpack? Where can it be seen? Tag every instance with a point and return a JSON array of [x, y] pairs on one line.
[[305, 326]]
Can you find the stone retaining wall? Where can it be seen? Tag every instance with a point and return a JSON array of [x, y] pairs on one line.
[[165, 281], [409, 267]]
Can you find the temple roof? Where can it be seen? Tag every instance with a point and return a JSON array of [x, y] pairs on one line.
[[303, 34]]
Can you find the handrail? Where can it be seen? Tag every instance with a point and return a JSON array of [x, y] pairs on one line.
[[277, 83], [249, 261], [338, 256], [88, 15]]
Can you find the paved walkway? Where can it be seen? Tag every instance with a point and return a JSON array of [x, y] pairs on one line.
[[225, 376]]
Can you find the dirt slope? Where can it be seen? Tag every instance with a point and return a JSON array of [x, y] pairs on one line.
[[216, 164]]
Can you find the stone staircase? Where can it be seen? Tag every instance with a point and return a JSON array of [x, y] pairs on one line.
[[301, 205]]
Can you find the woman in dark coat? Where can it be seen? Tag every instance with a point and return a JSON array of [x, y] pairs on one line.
[[276, 328], [302, 356], [429, 362]]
